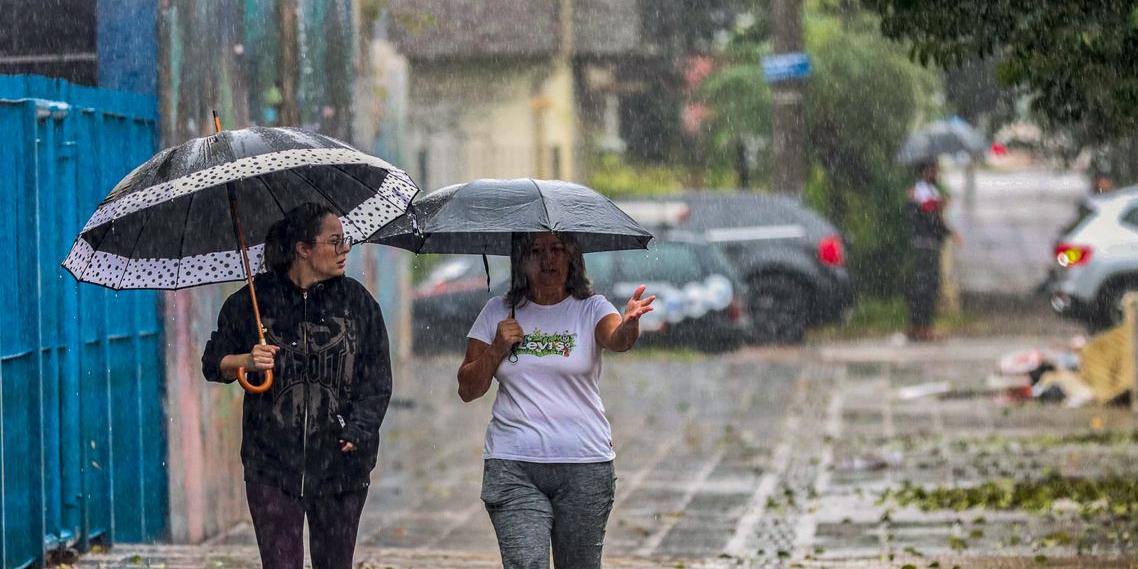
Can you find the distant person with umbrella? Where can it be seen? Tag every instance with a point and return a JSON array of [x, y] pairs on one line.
[[924, 211], [548, 473], [954, 137], [310, 442]]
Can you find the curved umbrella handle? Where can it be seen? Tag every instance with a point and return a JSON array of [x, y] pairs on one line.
[[255, 389], [240, 238]]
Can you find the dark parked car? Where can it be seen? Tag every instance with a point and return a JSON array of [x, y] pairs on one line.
[[700, 300], [446, 302], [791, 259]]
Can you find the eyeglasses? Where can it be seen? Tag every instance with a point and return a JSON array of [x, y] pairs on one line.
[[340, 244]]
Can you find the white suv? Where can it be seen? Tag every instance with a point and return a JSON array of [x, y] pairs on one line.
[[1096, 259]]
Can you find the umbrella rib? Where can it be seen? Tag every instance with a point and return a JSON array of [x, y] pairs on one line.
[[130, 257], [541, 198], [94, 251], [327, 197], [182, 240], [280, 208], [361, 182], [272, 194]]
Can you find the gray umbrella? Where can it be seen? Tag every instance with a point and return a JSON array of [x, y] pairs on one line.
[[480, 217], [942, 137]]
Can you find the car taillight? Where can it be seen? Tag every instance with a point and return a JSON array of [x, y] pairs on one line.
[[831, 252], [1068, 255]]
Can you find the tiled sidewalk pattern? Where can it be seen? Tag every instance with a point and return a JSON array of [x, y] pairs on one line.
[[739, 461]]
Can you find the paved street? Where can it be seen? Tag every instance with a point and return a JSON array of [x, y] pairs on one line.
[[760, 458]]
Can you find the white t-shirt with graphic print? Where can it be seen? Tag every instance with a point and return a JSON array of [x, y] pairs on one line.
[[548, 407]]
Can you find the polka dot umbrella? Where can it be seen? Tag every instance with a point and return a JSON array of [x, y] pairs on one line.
[[197, 213]]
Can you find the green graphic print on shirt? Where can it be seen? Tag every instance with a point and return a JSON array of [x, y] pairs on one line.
[[541, 344]]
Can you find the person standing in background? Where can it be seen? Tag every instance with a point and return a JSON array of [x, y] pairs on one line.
[[924, 211]]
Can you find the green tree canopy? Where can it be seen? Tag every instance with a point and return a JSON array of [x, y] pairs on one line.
[[1078, 60], [863, 98], [862, 102]]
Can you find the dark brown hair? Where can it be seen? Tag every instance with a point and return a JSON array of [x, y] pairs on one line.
[[576, 282], [300, 225]]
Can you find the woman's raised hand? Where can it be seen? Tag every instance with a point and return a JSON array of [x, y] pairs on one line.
[[637, 307]]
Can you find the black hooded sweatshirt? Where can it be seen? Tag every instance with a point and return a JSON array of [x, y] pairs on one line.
[[331, 382]]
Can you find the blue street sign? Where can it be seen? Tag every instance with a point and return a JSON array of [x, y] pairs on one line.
[[786, 66]]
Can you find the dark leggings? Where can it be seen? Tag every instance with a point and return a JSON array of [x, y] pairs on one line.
[[924, 287], [278, 520]]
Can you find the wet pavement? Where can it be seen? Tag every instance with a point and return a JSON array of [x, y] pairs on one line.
[[759, 458]]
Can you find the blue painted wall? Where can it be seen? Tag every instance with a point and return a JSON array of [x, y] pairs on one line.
[[82, 428]]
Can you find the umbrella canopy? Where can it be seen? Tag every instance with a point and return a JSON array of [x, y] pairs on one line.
[[168, 224], [479, 217], [942, 137]]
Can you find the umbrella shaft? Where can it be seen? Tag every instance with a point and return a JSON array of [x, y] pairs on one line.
[[240, 236]]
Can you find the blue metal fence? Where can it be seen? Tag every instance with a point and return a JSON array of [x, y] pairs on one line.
[[82, 426]]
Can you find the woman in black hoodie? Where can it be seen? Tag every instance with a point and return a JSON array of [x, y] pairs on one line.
[[309, 443]]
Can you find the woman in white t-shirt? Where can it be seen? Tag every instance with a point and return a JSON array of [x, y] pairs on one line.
[[548, 475]]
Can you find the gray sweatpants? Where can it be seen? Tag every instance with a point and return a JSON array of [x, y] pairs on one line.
[[533, 504]]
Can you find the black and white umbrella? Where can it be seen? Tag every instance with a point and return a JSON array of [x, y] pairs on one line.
[[198, 213], [168, 225]]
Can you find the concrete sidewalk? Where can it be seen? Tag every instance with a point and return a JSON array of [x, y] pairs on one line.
[[771, 458], [966, 438], [862, 440], [245, 557]]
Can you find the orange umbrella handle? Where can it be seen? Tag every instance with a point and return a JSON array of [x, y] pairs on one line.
[[255, 389], [265, 385]]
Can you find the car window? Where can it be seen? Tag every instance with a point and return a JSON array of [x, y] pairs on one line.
[[716, 262], [1084, 213], [1131, 217], [453, 268], [599, 267], [676, 263], [450, 269]]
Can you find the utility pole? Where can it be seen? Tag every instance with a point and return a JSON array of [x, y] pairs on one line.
[[788, 124], [289, 67], [167, 114]]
